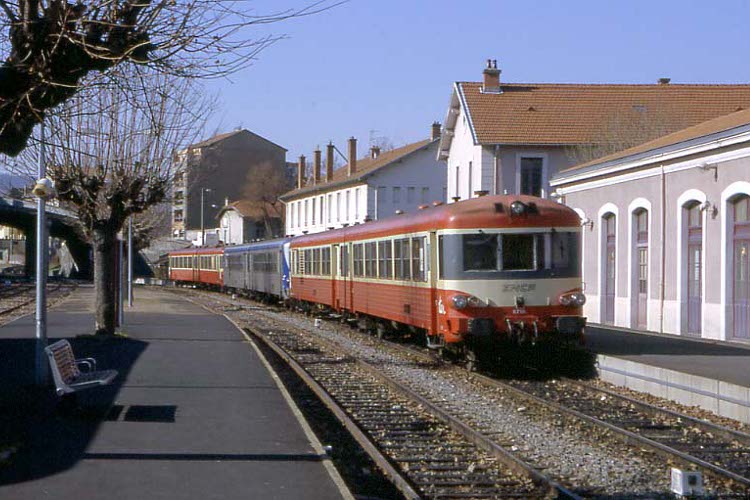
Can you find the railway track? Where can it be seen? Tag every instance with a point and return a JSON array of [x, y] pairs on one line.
[[20, 295], [722, 453], [428, 452]]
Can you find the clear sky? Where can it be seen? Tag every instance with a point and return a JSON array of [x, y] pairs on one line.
[[387, 66]]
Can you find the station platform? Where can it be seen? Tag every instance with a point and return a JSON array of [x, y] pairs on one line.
[[710, 374], [195, 412]]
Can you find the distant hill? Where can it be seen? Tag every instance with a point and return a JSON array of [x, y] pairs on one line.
[[9, 181]]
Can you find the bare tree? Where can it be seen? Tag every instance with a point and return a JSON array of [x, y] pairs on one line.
[[111, 158], [624, 130], [51, 48], [264, 185]]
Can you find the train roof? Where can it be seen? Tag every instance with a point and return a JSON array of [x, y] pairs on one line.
[[481, 212], [198, 251], [258, 245]]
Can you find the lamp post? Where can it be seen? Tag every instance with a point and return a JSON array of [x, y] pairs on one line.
[[203, 228], [43, 190], [130, 261]]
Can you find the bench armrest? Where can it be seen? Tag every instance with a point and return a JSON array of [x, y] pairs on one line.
[[90, 363]]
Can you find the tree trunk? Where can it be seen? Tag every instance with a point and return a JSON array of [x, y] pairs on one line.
[[105, 283]]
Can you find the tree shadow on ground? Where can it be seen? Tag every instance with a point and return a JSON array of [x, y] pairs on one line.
[[40, 438]]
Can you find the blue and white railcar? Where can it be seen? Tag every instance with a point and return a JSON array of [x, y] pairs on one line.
[[260, 268]]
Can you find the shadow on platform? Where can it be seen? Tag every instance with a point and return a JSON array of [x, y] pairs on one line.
[[47, 440]]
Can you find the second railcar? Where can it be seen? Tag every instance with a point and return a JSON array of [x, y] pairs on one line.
[[260, 268], [196, 265]]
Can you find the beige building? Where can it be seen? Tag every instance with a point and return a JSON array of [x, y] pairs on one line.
[[666, 243]]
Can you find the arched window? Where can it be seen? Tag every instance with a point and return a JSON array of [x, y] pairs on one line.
[[609, 221], [640, 268], [693, 218], [741, 266]]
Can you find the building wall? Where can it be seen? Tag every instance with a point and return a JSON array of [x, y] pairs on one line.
[[664, 193], [472, 167], [404, 185], [232, 228], [226, 168]]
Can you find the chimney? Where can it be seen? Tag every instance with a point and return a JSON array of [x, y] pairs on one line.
[[316, 166], [329, 162], [491, 78], [301, 172], [435, 131], [374, 152], [664, 81], [352, 167]]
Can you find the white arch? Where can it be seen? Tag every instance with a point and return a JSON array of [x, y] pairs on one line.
[[582, 250], [637, 204], [681, 274], [603, 210], [727, 266]]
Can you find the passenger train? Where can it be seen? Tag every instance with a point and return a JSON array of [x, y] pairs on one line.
[[466, 274]]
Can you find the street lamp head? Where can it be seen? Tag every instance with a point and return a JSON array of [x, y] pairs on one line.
[[45, 189]]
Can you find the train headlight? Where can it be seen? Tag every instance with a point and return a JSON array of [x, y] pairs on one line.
[[517, 208], [475, 302], [576, 299], [460, 301]]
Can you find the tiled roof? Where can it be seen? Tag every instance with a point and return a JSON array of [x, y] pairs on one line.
[[716, 125], [365, 167], [246, 208], [569, 114]]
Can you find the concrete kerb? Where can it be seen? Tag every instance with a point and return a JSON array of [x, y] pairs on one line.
[[316, 444], [725, 399]]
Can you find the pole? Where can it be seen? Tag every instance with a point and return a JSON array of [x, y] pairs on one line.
[[203, 230], [121, 282], [130, 261], [41, 272]]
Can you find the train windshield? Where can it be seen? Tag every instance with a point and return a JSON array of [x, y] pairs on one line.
[[553, 253]]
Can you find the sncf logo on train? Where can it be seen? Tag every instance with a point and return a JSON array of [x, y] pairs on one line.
[[519, 287]]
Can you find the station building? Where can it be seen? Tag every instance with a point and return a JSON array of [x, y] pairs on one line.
[[377, 186], [509, 138], [666, 231]]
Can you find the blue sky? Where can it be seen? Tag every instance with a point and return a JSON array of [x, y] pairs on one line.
[[387, 66]]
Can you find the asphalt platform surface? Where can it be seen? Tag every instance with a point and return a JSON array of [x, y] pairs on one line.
[[727, 362], [193, 414]]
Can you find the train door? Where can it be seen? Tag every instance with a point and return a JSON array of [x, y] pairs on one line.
[[431, 257], [194, 266], [334, 276], [344, 276]]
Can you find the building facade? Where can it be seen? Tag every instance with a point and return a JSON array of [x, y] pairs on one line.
[[506, 138], [208, 172], [245, 221], [370, 188], [666, 243]]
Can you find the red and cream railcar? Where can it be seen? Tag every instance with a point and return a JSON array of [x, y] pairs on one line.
[[493, 267], [197, 265]]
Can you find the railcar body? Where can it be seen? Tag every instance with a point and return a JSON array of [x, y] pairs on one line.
[[259, 268], [197, 265], [489, 268]]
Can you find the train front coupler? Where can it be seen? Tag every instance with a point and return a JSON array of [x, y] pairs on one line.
[[523, 330]]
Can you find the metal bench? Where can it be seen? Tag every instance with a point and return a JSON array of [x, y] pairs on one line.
[[68, 377]]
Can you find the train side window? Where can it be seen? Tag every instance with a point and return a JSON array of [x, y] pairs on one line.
[[402, 259], [344, 261], [325, 262], [385, 259], [371, 259], [418, 259], [316, 261], [358, 260], [480, 252]]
